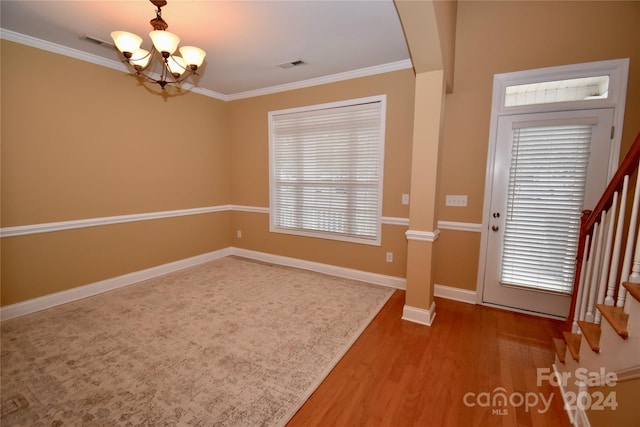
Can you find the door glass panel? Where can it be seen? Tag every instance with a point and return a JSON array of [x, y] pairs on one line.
[[545, 199]]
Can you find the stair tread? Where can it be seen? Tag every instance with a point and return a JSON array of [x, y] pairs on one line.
[[616, 317], [573, 344], [561, 349], [591, 332], [633, 289]]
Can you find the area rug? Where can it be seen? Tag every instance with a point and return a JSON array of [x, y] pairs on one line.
[[227, 343]]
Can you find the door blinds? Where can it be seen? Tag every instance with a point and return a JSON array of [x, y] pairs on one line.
[[545, 198]]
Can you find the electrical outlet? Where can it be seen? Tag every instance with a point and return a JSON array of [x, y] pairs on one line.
[[239, 234], [457, 201], [405, 199], [389, 256]]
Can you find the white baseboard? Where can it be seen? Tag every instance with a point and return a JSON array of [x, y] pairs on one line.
[[577, 416], [419, 315], [332, 270], [63, 297], [456, 294], [409, 313]]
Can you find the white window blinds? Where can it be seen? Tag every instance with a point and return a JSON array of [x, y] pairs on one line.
[[326, 171], [546, 190]]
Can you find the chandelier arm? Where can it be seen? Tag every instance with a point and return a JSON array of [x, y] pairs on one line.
[[165, 79], [188, 71], [150, 79]]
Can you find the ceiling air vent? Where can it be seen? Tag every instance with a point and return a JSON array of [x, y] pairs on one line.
[[291, 64], [97, 41]]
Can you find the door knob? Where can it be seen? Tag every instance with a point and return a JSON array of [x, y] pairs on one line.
[[495, 228]]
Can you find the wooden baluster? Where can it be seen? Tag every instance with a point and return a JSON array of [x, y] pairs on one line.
[[615, 260], [634, 277], [606, 261], [578, 313], [594, 261], [628, 166], [626, 265], [609, 218], [581, 266], [589, 274], [597, 260]]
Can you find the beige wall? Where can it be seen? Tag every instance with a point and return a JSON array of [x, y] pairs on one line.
[[102, 146], [625, 396], [501, 37], [83, 141], [250, 172]]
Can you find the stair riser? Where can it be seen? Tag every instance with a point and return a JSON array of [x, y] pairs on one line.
[[575, 377], [632, 307], [615, 352]]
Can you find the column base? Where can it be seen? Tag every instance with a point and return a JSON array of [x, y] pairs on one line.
[[419, 315]]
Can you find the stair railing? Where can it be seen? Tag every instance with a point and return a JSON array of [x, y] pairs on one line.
[[603, 231]]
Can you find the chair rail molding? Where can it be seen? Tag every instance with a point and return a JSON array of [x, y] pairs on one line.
[[48, 227], [23, 230]]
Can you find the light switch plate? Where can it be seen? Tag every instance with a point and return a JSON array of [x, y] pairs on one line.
[[459, 201]]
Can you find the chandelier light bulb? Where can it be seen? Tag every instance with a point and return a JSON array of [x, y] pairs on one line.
[[193, 56], [176, 65], [164, 42], [140, 59], [127, 43]]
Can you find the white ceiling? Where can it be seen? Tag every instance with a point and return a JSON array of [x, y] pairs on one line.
[[244, 40]]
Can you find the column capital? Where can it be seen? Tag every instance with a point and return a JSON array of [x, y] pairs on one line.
[[423, 236]]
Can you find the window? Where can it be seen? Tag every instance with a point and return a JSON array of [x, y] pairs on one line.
[[326, 164], [567, 90]]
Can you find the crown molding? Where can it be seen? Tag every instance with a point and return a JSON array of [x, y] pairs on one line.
[[347, 75], [119, 66], [61, 50], [89, 57]]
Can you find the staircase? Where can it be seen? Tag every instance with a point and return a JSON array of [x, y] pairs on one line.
[[597, 366]]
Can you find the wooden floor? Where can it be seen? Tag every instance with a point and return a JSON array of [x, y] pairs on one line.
[[400, 374]]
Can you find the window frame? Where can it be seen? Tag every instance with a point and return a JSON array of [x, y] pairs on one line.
[[616, 69], [272, 116]]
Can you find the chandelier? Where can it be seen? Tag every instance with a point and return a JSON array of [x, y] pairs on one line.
[[174, 69]]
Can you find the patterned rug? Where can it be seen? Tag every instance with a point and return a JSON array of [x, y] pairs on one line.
[[227, 343]]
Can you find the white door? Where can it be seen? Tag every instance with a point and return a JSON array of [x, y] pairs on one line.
[[548, 167]]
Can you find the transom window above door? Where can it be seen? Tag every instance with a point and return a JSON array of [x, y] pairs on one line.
[[582, 89]]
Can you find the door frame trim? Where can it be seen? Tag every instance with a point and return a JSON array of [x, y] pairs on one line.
[[617, 69]]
